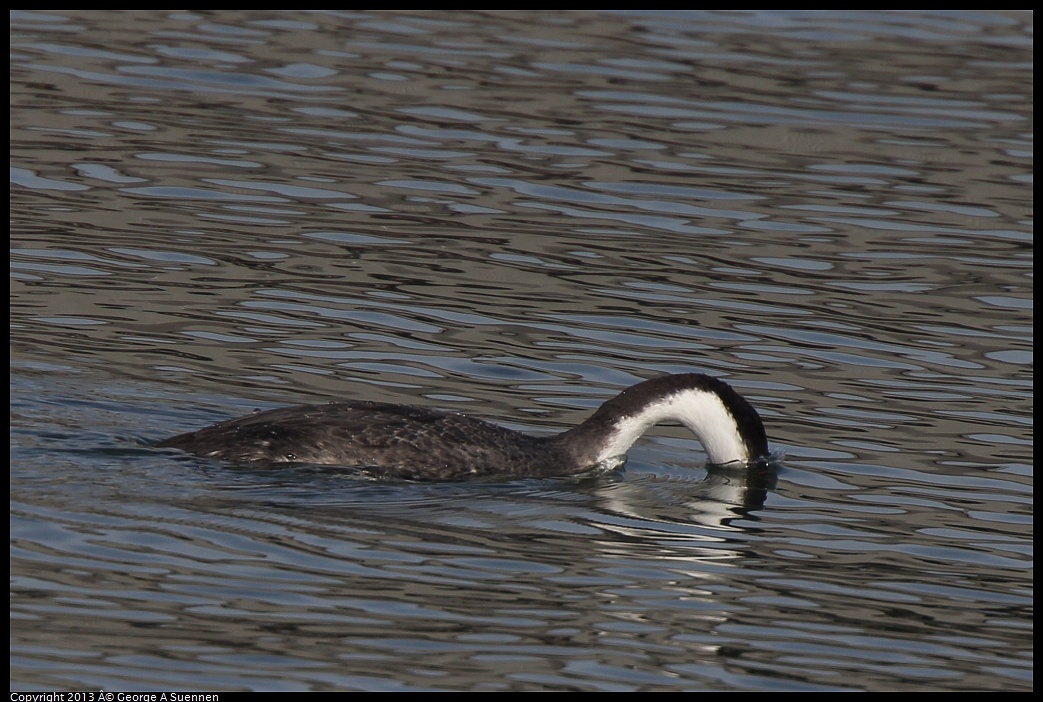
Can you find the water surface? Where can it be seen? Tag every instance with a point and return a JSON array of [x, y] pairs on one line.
[[516, 215]]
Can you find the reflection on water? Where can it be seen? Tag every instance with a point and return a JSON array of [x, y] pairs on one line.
[[515, 215]]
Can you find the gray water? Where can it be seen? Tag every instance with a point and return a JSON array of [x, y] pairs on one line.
[[515, 215]]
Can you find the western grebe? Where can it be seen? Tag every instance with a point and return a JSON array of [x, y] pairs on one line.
[[401, 441]]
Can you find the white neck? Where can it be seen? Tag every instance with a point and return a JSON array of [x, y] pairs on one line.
[[701, 411]]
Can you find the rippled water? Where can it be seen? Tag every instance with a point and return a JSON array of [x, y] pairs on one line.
[[515, 215]]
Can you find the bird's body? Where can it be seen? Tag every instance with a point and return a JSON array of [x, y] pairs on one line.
[[416, 443]]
